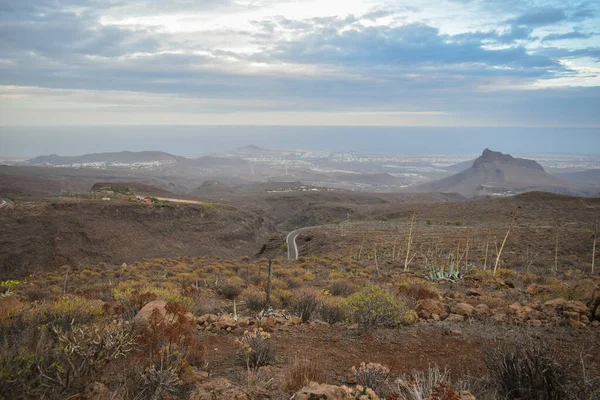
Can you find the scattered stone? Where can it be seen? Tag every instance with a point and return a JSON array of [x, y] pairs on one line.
[[319, 391], [225, 322], [427, 308], [221, 388]]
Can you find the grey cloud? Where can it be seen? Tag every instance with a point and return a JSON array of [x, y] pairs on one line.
[[413, 44], [540, 17], [565, 36]]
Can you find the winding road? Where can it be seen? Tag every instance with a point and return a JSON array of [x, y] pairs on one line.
[[291, 243]]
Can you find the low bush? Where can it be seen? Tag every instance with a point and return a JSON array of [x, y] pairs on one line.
[[372, 306], [301, 372], [371, 375], [231, 290], [67, 311], [433, 384], [255, 301], [332, 310], [414, 290], [526, 371], [306, 304], [256, 348], [342, 288]]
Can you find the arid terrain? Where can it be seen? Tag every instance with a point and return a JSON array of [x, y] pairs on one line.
[[111, 290]]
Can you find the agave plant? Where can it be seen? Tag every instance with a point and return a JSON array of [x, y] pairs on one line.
[[450, 273]]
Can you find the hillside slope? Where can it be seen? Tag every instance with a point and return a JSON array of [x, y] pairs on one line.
[[41, 236]]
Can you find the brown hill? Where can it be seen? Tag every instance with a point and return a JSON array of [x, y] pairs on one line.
[[39, 236], [212, 186], [495, 173], [119, 157]]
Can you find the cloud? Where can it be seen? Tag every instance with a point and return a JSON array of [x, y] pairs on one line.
[[382, 59], [414, 44], [540, 17], [566, 36]]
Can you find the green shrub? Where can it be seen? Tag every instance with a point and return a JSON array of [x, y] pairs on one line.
[[372, 306], [68, 310]]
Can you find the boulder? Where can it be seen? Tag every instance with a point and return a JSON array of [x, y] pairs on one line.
[[520, 313], [221, 388], [482, 311], [320, 391], [455, 318], [463, 309], [576, 306], [207, 319], [225, 322], [474, 293], [427, 308], [143, 316]]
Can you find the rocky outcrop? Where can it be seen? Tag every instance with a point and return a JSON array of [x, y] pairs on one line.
[[143, 316]]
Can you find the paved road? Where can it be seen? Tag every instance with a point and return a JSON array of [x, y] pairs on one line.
[[291, 243], [179, 200]]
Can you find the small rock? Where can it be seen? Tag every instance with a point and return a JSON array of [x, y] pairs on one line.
[[220, 388], [463, 309], [317, 391], [474, 292], [455, 318]]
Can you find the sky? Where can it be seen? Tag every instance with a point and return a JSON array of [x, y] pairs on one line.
[[357, 63]]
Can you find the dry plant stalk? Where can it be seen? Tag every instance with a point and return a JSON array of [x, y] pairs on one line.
[[594, 247], [406, 260], [467, 250], [487, 247], [514, 219], [269, 277], [376, 263], [555, 270]]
